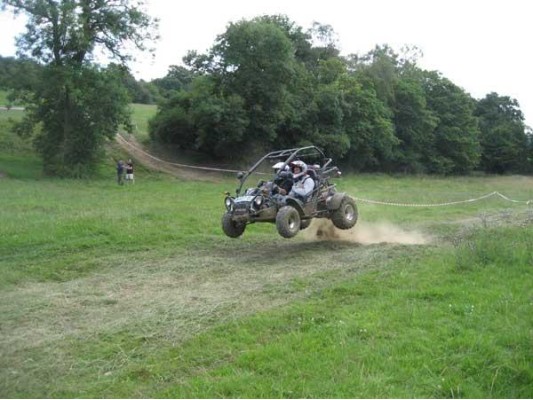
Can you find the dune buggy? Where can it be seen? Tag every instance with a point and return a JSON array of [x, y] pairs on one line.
[[266, 203]]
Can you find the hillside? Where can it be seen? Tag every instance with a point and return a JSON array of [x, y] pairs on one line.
[[134, 291]]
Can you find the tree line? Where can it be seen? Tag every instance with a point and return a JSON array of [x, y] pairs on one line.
[[264, 84], [267, 84]]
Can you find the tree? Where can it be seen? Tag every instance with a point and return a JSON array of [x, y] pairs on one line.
[[77, 109], [139, 91], [64, 36], [177, 78], [257, 63], [503, 137], [201, 120], [252, 67], [455, 143], [379, 69], [414, 127], [367, 125]]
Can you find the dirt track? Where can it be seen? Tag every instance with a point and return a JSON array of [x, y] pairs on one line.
[[130, 145]]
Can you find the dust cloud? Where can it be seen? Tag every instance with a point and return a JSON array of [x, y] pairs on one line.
[[363, 233]]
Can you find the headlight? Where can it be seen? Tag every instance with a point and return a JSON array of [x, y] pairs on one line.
[[229, 203], [256, 203], [258, 200]]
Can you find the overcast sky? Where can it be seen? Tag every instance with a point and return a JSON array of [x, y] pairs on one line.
[[482, 46]]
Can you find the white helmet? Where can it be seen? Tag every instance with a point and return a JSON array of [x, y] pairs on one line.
[[277, 166]]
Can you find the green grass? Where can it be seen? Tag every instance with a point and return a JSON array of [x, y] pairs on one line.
[[418, 328], [134, 291], [140, 117], [10, 143]]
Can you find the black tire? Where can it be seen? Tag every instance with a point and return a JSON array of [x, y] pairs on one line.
[[305, 224], [231, 228], [345, 217], [288, 222]]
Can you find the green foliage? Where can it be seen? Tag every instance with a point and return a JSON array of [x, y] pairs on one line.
[[266, 84], [140, 92], [78, 108], [368, 126], [379, 68], [69, 31], [205, 122], [503, 138], [258, 66], [78, 105], [455, 147], [18, 74], [241, 102], [414, 124], [178, 78], [11, 143]]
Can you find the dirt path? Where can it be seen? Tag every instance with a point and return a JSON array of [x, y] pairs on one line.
[[130, 145]]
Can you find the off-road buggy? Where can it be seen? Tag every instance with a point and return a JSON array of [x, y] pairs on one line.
[[266, 203]]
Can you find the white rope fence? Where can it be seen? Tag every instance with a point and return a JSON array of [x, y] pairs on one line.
[[450, 203], [384, 203]]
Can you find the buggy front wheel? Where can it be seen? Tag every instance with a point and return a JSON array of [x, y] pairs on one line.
[[288, 222], [230, 227]]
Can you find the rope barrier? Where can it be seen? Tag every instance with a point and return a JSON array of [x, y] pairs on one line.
[[450, 203], [385, 203]]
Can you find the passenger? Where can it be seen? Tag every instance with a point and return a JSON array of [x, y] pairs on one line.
[[303, 184]]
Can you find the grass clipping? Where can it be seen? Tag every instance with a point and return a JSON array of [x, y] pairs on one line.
[[364, 233]]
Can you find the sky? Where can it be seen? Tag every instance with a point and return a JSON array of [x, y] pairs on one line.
[[482, 46]]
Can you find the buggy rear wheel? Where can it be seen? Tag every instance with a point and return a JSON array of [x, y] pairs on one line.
[[231, 228], [345, 217], [288, 222]]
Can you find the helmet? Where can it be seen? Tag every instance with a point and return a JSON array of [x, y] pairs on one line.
[[278, 166], [301, 165]]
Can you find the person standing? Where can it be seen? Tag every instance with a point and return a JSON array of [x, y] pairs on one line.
[[129, 171], [120, 172]]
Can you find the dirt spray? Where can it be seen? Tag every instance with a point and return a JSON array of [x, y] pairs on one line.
[[363, 233]]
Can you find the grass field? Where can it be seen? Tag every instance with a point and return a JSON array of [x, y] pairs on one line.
[[141, 113], [134, 292]]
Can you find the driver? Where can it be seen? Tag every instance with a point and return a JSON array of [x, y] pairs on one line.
[[283, 179], [303, 184]]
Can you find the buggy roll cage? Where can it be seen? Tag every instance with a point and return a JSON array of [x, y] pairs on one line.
[[288, 155]]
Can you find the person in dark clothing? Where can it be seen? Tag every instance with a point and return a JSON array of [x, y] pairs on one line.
[[120, 172], [283, 179]]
